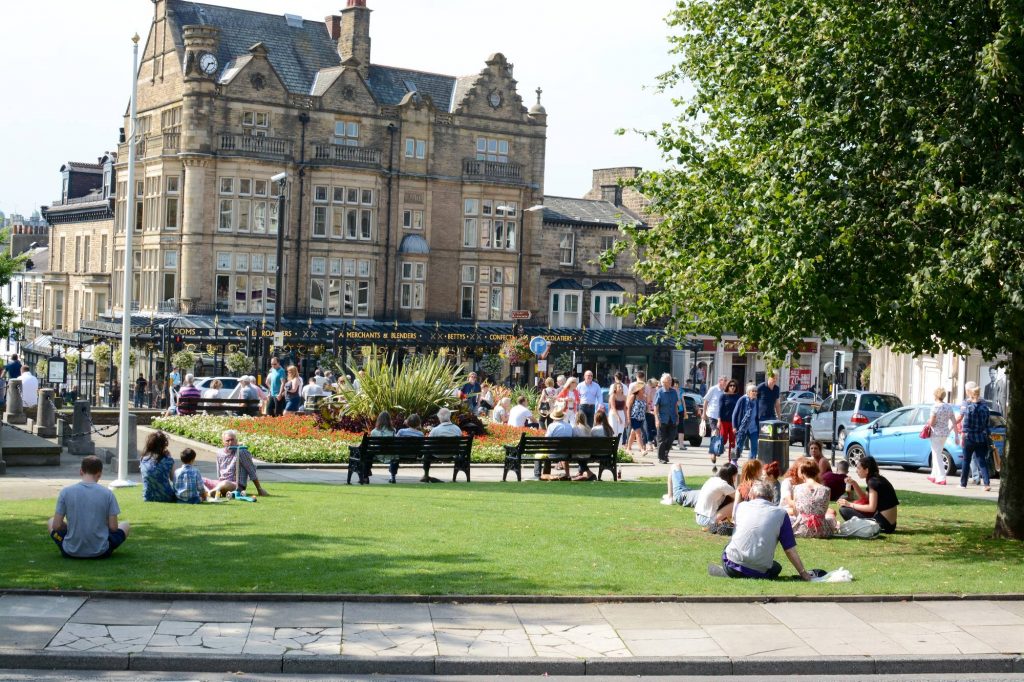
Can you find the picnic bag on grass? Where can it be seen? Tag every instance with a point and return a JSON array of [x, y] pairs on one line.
[[858, 527], [716, 447]]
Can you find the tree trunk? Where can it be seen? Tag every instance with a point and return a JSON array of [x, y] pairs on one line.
[[1010, 515]]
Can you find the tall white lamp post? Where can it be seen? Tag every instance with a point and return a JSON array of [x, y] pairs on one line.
[[126, 299]]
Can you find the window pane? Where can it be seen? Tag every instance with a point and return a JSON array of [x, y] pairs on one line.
[[241, 293], [363, 299]]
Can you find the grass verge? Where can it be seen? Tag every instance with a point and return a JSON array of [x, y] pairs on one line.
[[489, 538]]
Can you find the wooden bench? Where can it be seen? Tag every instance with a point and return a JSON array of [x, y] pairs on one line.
[[394, 451], [603, 451], [194, 405]]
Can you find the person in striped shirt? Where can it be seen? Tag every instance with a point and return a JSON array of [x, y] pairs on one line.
[[234, 468], [188, 483]]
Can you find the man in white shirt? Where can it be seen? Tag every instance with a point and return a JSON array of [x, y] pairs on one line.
[[29, 387], [713, 401], [520, 414], [319, 378], [590, 396]]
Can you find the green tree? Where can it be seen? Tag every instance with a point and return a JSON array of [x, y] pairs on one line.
[[846, 168]]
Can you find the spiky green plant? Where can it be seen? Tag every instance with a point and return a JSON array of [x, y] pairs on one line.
[[532, 396], [421, 384]]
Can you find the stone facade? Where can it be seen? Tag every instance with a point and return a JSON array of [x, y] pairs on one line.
[[76, 281], [607, 186], [403, 188]]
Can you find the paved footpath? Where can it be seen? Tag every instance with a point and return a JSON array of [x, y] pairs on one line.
[[447, 638]]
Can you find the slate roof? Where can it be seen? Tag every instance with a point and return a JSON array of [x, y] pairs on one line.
[[566, 210], [566, 283], [413, 243], [390, 84], [607, 286], [298, 54]]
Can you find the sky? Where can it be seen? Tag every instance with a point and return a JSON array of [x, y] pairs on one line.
[[65, 75]]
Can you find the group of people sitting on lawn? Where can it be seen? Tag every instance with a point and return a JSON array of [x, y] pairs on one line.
[[85, 523], [736, 502]]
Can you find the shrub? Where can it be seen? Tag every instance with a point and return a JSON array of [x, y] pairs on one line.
[[422, 384]]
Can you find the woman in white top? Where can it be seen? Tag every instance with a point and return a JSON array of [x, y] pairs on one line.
[[714, 504], [942, 421], [617, 405], [214, 390], [500, 414]]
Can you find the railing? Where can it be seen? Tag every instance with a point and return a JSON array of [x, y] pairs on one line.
[[253, 144], [344, 154], [492, 170]]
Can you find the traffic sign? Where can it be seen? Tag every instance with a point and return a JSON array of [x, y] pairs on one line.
[[538, 345], [520, 314]]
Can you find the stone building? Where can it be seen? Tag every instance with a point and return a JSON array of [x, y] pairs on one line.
[[76, 282], [26, 233], [404, 194]]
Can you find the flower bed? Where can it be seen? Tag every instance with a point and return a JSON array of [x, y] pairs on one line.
[[297, 439]]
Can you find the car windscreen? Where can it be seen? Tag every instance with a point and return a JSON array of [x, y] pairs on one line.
[[876, 402]]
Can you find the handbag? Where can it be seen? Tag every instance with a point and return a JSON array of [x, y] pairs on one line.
[[926, 432], [717, 446], [702, 430]]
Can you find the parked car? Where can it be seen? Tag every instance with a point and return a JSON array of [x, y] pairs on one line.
[[852, 409], [694, 415], [203, 383], [800, 396], [895, 438], [798, 416]]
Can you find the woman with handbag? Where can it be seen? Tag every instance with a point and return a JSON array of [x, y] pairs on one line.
[[291, 390], [569, 396], [547, 402], [940, 423]]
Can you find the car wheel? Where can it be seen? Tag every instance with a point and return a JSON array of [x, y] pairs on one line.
[[841, 438], [854, 455], [695, 441], [947, 463]]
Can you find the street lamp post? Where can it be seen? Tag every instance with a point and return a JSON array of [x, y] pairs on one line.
[[123, 440], [282, 181]]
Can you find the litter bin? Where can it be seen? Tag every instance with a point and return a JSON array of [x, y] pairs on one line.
[[773, 443]]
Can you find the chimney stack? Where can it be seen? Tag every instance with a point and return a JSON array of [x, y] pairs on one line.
[[333, 26], [354, 35]]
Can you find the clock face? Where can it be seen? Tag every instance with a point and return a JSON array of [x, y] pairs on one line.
[[208, 63], [494, 99]]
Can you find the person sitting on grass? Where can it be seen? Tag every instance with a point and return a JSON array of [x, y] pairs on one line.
[[559, 428], [157, 469], [812, 517], [851, 489], [836, 481], [882, 501], [771, 477], [501, 412], [749, 475], [234, 468], [678, 492], [790, 479], [816, 451], [188, 482], [714, 505], [751, 551], [84, 524], [521, 415]]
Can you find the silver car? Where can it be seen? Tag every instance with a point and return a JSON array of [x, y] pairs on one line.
[[852, 409]]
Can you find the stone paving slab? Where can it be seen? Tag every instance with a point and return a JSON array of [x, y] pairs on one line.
[[347, 637]]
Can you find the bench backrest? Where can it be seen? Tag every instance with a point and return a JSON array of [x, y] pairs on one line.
[[531, 446], [387, 447], [192, 404]]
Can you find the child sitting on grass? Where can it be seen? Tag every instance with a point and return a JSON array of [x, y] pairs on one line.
[[188, 482]]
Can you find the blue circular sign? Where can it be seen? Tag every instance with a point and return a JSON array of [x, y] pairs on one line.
[[538, 345]]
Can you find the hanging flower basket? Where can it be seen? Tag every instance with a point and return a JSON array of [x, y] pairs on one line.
[[516, 350]]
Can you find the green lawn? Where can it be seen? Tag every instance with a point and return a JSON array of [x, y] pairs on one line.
[[489, 538]]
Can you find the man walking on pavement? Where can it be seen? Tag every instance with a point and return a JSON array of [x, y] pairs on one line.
[[768, 404], [590, 397], [713, 402], [666, 416]]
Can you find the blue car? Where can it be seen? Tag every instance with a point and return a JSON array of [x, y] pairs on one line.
[[894, 438]]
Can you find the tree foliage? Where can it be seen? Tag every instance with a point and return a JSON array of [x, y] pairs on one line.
[[844, 168], [8, 266]]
